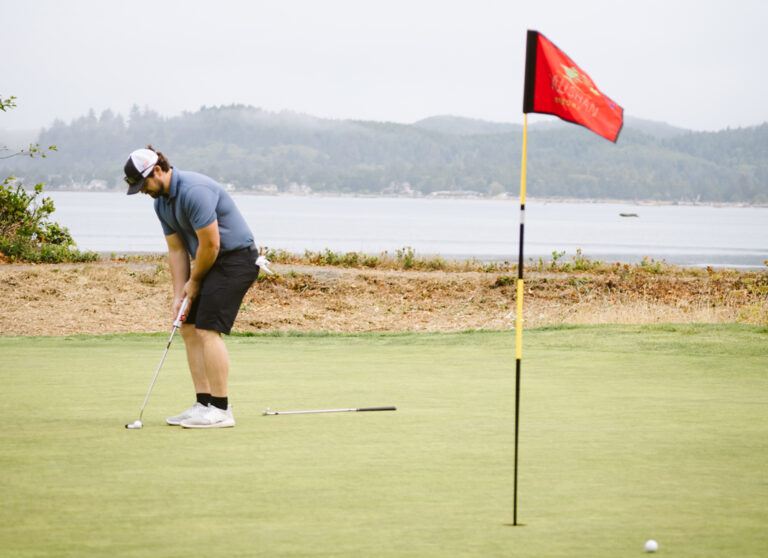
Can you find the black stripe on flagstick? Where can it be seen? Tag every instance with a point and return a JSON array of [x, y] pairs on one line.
[[530, 70], [520, 248], [517, 431], [518, 364]]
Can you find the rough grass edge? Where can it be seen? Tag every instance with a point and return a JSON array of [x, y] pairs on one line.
[[662, 327], [406, 259]]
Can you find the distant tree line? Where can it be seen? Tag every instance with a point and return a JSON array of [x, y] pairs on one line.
[[255, 150]]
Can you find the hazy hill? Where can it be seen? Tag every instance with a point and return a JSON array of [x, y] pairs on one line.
[[653, 128], [255, 150], [462, 126]]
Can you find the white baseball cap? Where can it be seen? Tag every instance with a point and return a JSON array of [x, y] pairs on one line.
[[138, 167]]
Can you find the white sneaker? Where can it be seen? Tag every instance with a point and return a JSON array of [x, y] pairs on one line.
[[213, 417], [194, 410]]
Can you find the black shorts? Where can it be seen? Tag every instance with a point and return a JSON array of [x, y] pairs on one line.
[[223, 290]]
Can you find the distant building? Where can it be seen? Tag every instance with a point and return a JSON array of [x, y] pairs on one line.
[[298, 189], [399, 189], [456, 194], [265, 188]]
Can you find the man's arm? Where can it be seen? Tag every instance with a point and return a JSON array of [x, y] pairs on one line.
[[178, 261], [207, 252]]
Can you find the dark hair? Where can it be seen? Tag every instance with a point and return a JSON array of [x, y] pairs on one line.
[[162, 162]]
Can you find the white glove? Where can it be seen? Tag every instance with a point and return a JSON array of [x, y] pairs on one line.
[[263, 262]]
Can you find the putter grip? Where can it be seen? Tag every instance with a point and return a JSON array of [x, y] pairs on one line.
[[378, 409], [182, 313]]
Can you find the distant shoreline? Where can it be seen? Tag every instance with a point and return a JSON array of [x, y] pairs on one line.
[[505, 197]]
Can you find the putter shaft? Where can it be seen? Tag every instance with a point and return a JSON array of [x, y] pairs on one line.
[[350, 410], [176, 325]]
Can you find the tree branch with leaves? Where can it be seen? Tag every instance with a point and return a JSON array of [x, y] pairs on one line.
[[26, 233], [34, 148]]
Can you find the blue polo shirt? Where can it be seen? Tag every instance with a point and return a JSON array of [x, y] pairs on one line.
[[195, 201]]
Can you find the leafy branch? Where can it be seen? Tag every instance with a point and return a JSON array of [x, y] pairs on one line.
[[7, 103], [34, 148], [26, 231], [34, 151]]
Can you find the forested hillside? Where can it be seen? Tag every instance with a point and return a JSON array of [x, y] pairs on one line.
[[255, 150]]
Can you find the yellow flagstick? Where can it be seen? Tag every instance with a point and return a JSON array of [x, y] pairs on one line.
[[519, 313]]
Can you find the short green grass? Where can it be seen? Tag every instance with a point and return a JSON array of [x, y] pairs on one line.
[[627, 433]]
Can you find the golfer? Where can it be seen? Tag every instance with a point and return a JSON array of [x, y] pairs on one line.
[[212, 257]]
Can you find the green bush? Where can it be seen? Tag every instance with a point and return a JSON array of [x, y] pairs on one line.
[[27, 234], [406, 257]]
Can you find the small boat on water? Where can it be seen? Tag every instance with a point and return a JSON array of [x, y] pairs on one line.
[[628, 215]]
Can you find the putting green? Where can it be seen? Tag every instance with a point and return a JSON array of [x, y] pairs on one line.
[[627, 434]]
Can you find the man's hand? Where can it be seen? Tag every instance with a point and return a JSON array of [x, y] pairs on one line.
[[191, 290], [177, 302], [187, 278]]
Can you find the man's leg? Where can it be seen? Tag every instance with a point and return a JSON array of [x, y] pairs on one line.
[[209, 358], [216, 361], [195, 358], [216, 308]]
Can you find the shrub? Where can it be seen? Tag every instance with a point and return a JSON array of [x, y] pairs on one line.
[[27, 234]]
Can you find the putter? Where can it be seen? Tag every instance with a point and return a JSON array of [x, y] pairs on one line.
[[352, 410], [176, 325]]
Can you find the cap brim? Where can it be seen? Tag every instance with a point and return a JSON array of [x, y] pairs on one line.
[[136, 188]]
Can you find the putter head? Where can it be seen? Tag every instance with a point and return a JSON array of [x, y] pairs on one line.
[[134, 425]]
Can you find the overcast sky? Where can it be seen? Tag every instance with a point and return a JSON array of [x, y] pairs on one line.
[[696, 64]]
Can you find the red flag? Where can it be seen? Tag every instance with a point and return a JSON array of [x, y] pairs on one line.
[[555, 85]]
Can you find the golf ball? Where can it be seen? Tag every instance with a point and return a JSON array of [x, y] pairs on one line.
[[651, 546]]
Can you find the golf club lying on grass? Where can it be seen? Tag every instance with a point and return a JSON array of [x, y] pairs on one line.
[[353, 410], [176, 325]]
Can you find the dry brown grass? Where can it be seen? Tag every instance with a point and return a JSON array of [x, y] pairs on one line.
[[117, 297]]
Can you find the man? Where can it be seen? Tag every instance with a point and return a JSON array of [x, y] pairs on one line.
[[212, 257]]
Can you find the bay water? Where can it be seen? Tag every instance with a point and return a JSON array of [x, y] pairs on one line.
[[488, 230]]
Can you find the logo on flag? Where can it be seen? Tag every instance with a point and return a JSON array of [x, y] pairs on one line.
[[555, 85]]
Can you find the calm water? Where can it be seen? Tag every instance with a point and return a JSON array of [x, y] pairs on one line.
[[452, 228]]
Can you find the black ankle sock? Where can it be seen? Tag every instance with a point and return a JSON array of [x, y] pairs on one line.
[[220, 402], [204, 398]]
